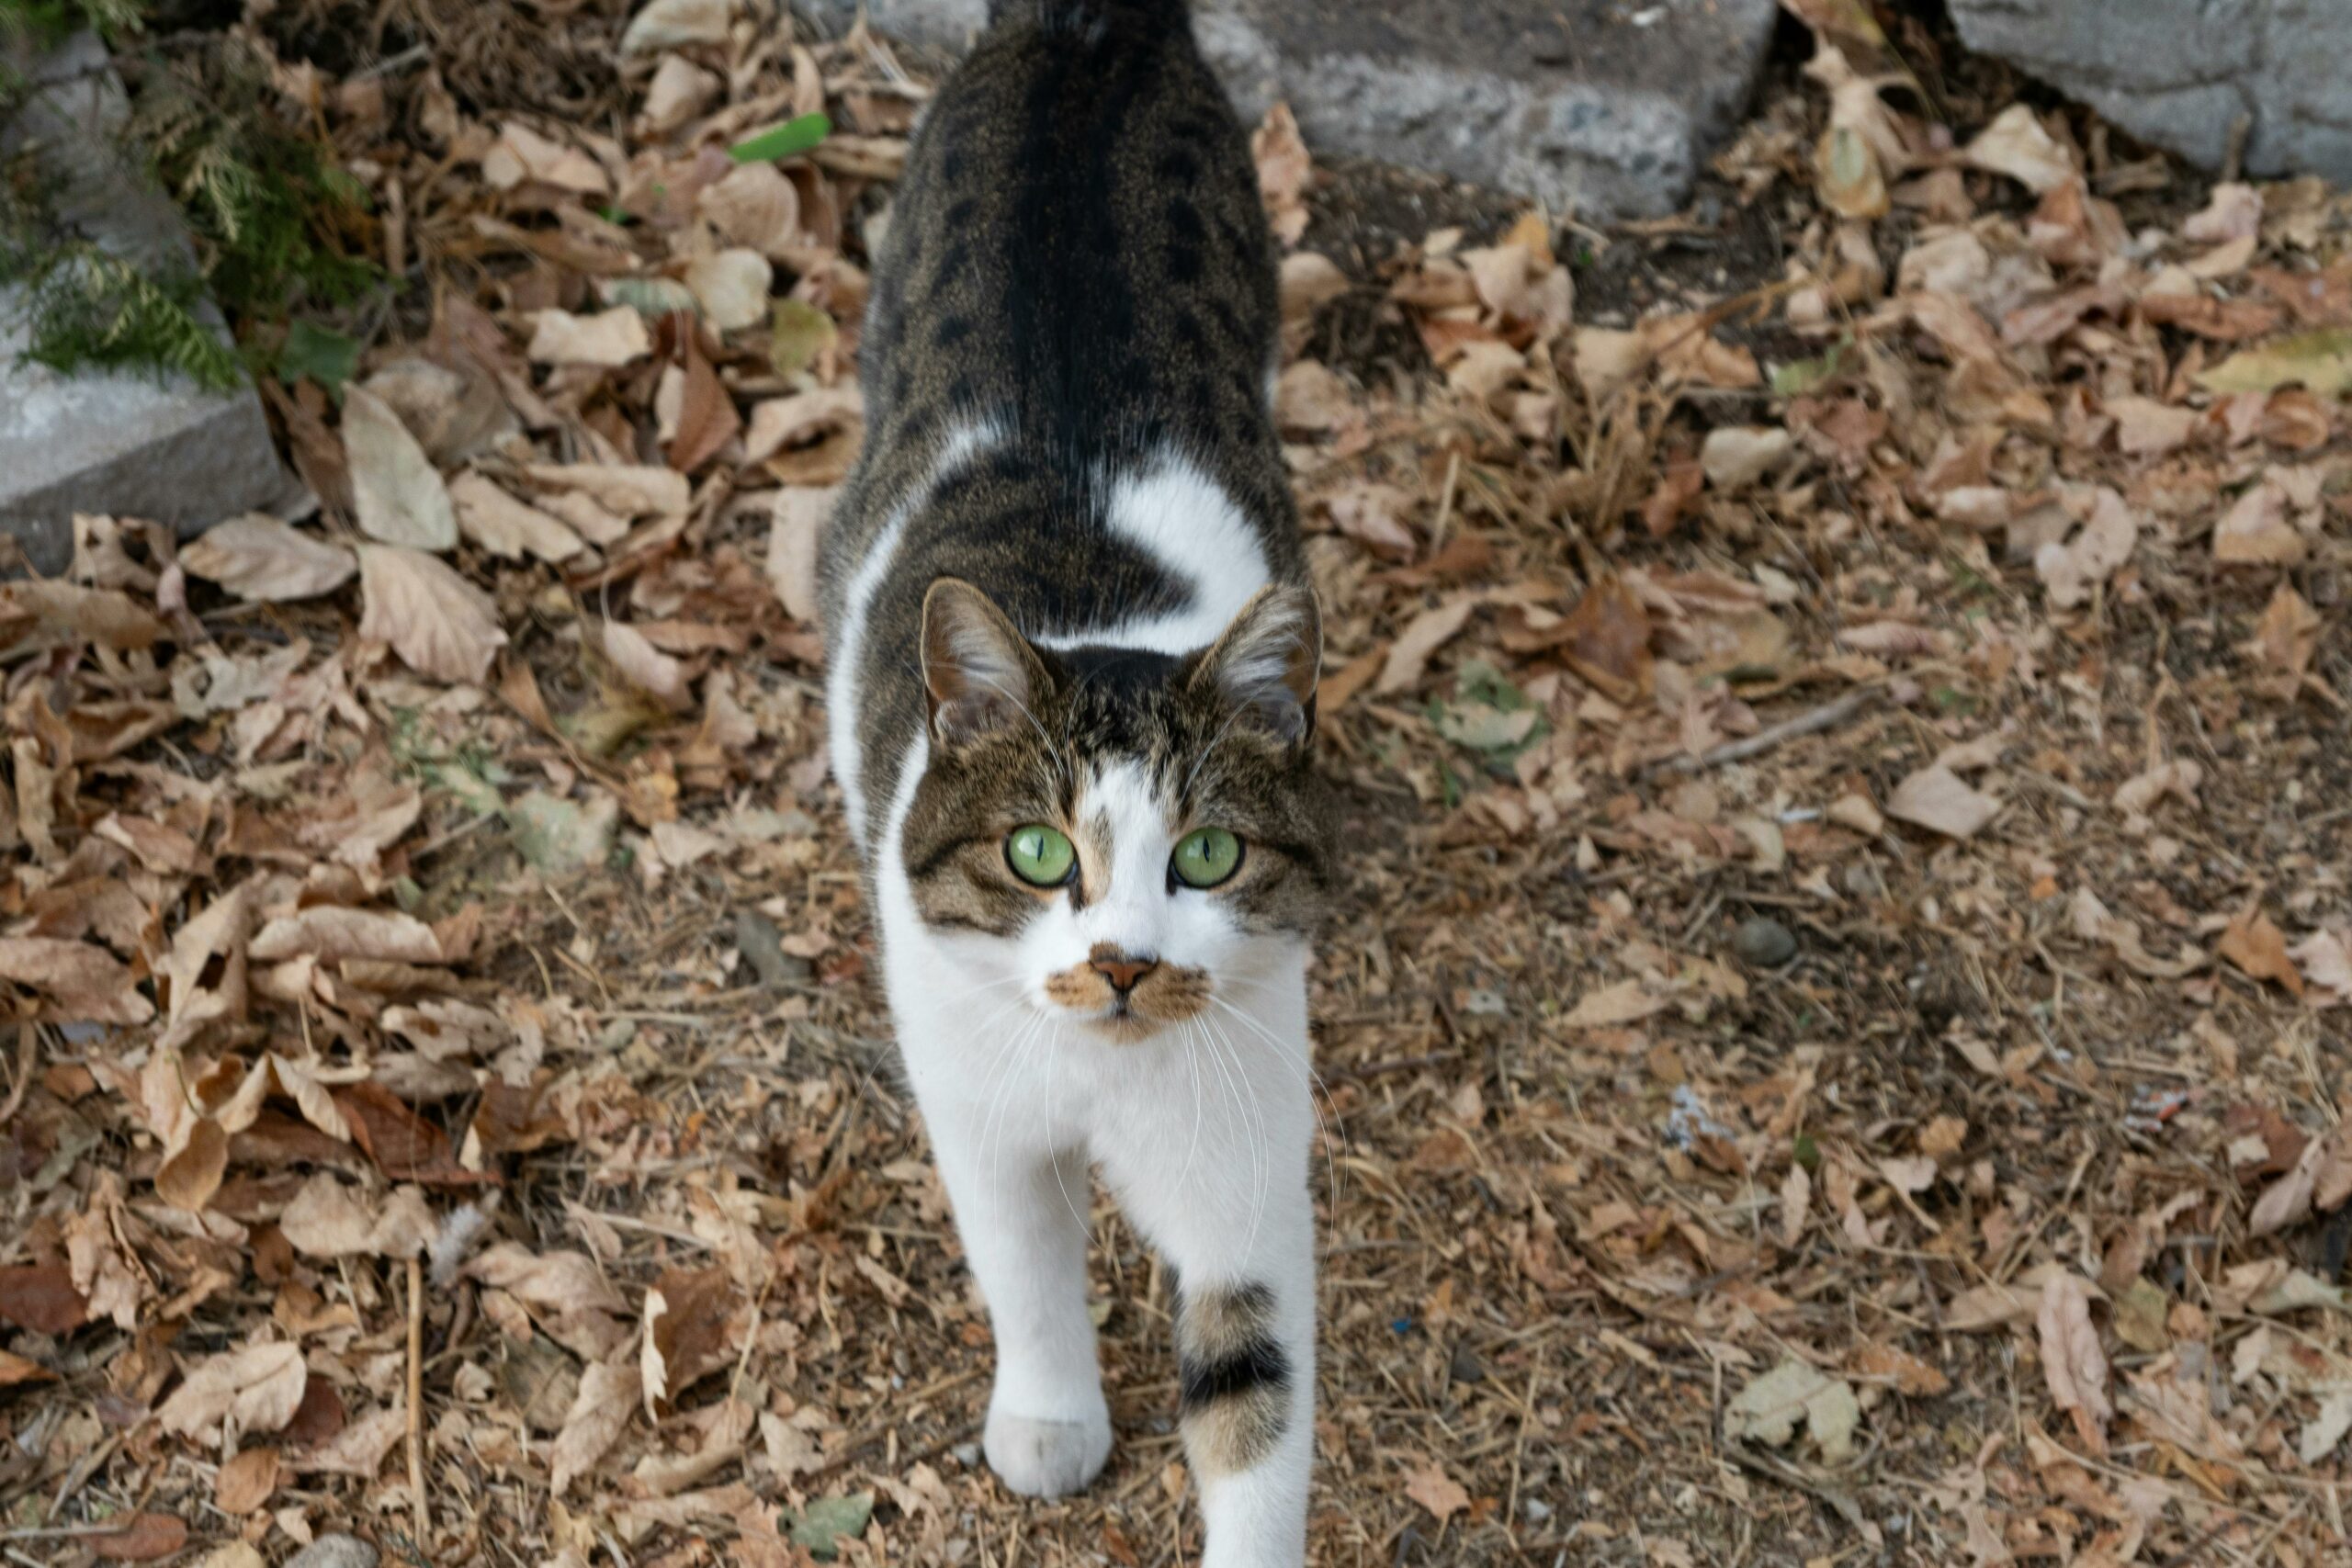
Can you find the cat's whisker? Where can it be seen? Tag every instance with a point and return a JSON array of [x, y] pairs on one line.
[[1318, 1091], [1261, 1155]]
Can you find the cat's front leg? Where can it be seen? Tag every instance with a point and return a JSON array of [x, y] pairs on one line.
[[1229, 1210], [1020, 1202]]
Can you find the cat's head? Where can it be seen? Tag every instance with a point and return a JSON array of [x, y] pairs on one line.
[[1125, 839]]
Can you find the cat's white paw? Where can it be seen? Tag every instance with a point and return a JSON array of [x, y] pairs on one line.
[[1048, 1458]]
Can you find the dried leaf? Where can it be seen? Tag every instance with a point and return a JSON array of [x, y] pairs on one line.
[[84, 982], [1941, 801], [1769, 1409], [1427, 632], [1283, 168], [2071, 1362], [253, 1390], [326, 1219], [1607, 641], [1434, 1490], [610, 338], [142, 1538], [260, 559], [794, 530], [41, 1298], [329, 931], [507, 527], [609, 1393], [2319, 361], [246, 1480], [395, 490], [2256, 531], [438, 623], [2259, 948], [2015, 144]]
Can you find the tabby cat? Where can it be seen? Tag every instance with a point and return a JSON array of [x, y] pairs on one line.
[[1073, 657]]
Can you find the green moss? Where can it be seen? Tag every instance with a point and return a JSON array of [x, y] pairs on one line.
[[274, 222]]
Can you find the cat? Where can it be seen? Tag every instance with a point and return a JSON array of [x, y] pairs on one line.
[[1072, 661]]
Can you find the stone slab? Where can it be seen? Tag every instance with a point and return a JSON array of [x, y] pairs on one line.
[[2180, 73], [1603, 108], [132, 443]]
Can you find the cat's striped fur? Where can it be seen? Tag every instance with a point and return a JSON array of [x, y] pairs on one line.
[[1064, 586]]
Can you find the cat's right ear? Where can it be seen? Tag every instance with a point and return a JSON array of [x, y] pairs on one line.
[[979, 674]]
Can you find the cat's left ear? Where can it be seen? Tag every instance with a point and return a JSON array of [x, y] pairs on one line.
[[1266, 662], [979, 673]]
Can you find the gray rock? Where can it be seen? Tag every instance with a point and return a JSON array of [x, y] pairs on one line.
[[334, 1552], [1764, 942], [2180, 73], [135, 444], [1605, 109]]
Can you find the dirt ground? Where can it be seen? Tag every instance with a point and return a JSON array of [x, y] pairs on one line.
[[1830, 1052]]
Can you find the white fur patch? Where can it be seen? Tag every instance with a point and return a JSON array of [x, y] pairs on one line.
[[1190, 528], [961, 445]]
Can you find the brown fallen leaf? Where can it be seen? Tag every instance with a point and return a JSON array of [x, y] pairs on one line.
[[438, 623], [43, 613], [794, 530], [2255, 531], [506, 527], [327, 1219], [16, 1370], [2015, 144], [1434, 1490], [359, 1448], [1941, 801], [404, 1145], [142, 1538], [83, 981], [691, 1326], [1408, 657], [2259, 948], [609, 1395], [610, 339], [2287, 638], [2288, 1201], [253, 1390], [40, 1297], [396, 492], [1606, 639], [329, 931], [627, 489], [1883, 1363], [706, 416], [246, 1481], [647, 668], [262, 560], [2073, 1365], [1625, 1002]]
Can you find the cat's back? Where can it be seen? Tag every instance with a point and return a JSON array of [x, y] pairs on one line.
[[1066, 358]]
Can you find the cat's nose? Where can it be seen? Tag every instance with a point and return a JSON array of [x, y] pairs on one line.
[[1122, 969]]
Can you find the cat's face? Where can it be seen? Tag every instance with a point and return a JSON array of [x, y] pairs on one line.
[[1119, 838]]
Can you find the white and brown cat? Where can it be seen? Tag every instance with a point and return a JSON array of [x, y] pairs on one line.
[[1073, 658]]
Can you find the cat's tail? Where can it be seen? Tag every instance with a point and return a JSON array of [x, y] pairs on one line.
[[1093, 17]]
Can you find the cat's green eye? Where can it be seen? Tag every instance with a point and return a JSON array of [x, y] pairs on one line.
[[1205, 857], [1040, 856]]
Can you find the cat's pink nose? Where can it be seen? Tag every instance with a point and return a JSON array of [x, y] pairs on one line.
[[1123, 970]]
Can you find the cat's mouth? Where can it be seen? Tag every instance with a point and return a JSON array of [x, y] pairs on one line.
[[1162, 995]]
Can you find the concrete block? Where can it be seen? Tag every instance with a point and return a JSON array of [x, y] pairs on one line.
[[133, 443], [2181, 74], [1605, 109]]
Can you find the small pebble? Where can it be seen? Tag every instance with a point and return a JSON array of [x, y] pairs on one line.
[[1764, 942], [334, 1552]]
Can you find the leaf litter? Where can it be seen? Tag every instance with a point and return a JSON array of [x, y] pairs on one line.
[[1949, 580]]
